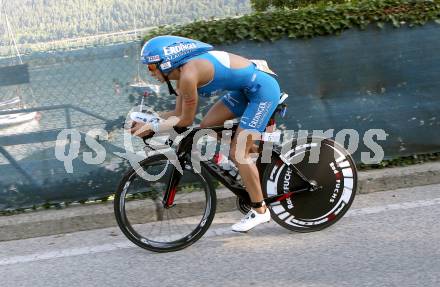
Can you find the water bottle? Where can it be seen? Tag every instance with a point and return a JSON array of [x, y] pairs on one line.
[[227, 165]]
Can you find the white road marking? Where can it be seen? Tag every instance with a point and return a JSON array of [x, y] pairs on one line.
[[211, 233], [389, 207], [66, 253]]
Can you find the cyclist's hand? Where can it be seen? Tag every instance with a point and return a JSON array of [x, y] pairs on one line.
[[140, 130]]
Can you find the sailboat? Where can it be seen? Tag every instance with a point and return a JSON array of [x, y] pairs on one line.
[[15, 118], [15, 103], [5, 104], [139, 85]]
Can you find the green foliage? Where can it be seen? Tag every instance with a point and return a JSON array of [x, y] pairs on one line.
[[43, 20], [263, 5], [306, 22]]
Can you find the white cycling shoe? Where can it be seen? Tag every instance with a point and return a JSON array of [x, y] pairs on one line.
[[250, 220]]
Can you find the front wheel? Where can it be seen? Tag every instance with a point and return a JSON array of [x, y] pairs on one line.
[[145, 221], [323, 162]]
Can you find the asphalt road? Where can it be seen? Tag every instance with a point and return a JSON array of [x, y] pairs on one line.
[[388, 238]]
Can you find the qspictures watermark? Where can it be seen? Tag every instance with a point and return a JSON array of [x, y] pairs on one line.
[[205, 146]]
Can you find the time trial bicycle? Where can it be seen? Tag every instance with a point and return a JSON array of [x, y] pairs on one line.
[[172, 209]]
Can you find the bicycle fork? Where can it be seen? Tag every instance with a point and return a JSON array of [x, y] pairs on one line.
[[170, 193]]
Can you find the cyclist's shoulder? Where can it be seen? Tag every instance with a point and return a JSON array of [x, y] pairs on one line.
[[188, 73], [193, 73]]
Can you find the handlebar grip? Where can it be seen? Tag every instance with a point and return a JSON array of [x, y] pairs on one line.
[[145, 138], [180, 130]]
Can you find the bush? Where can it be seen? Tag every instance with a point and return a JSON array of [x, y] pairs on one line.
[[263, 5], [306, 22]]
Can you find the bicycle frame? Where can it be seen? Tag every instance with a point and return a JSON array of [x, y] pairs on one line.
[[184, 150]]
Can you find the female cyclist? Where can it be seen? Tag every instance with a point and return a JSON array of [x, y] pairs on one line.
[[251, 94]]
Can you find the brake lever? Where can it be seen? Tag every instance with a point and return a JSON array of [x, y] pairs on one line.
[[145, 138]]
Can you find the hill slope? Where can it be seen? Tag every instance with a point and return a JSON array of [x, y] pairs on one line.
[[43, 20]]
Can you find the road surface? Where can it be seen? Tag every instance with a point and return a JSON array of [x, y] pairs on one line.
[[389, 238]]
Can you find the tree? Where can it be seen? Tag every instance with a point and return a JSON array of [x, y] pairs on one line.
[[263, 5], [44, 20]]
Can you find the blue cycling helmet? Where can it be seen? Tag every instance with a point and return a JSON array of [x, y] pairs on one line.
[[171, 52]]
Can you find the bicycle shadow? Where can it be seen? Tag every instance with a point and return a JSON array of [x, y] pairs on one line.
[[221, 234]]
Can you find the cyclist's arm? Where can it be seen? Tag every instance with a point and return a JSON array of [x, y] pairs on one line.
[[177, 110], [189, 99], [188, 92]]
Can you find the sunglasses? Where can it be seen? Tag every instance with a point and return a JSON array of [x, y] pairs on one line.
[[152, 67]]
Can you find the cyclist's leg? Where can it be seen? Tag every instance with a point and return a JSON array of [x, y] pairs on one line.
[[262, 103], [230, 106], [240, 154]]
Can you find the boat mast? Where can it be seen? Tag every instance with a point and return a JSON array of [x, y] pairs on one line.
[[135, 36], [11, 35], [17, 52]]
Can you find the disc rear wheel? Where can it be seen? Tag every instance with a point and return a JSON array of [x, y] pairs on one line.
[[327, 165]]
